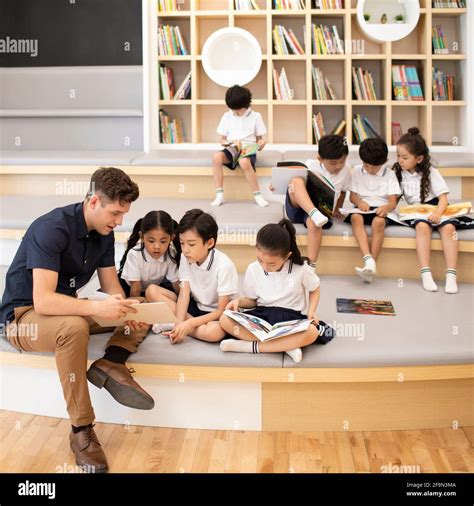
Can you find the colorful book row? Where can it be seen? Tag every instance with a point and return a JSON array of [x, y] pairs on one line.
[[170, 41], [363, 84], [285, 41], [171, 129], [326, 40], [406, 84]]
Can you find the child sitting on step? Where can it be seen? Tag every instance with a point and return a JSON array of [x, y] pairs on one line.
[[331, 163], [278, 287], [240, 125], [373, 187]]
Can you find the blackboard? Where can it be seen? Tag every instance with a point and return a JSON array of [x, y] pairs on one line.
[[53, 33]]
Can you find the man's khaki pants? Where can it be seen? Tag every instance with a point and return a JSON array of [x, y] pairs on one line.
[[68, 338]]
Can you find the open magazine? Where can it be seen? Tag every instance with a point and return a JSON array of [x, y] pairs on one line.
[[239, 152], [355, 210], [262, 330], [422, 211], [320, 190]]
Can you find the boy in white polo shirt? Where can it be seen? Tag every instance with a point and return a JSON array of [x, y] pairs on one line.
[[240, 125], [208, 280], [373, 187]]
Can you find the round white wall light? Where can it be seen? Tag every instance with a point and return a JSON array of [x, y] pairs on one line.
[[388, 20], [231, 56]]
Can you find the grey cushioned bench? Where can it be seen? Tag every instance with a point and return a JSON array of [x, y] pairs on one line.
[[409, 338], [233, 217], [198, 158], [95, 158]]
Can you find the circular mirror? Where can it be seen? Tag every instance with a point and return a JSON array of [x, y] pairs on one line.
[[388, 20], [231, 56]]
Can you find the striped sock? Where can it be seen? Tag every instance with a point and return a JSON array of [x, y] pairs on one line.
[[427, 280], [451, 283], [317, 217], [255, 348], [219, 190], [313, 265], [219, 197], [259, 200]]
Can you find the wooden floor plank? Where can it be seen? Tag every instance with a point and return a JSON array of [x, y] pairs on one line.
[[41, 444]]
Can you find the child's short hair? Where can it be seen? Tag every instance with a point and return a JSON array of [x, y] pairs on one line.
[[202, 223], [374, 151], [238, 97], [332, 147]]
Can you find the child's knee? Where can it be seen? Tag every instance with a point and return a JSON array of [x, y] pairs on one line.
[[245, 165], [423, 227], [356, 219], [152, 292], [378, 223], [311, 335]]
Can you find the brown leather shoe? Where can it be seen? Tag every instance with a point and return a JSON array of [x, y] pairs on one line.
[[88, 451], [118, 381]]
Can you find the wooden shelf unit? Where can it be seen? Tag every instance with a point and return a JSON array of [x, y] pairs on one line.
[[291, 121]]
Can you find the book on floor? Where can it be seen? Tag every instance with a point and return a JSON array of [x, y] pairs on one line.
[[238, 152], [365, 306], [147, 312], [263, 331], [422, 211]]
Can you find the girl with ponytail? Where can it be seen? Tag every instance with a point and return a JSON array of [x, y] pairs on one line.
[[149, 266], [423, 184], [280, 286]]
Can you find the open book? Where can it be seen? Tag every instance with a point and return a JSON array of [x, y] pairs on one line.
[[355, 210], [263, 331], [238, 152], [147, 312], [320, 190], [422, 211]]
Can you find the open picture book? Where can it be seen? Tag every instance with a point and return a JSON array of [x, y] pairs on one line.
[[147, 312], [422, 211], [320, 190], [239, 152], [262, 330]]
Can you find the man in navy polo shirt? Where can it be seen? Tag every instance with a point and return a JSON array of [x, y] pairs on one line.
[[40, 312]]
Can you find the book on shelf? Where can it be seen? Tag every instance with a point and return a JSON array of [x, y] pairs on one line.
[[449, 4], [328, 4], [262, 330], [326, 40], [363, 128], [283, 5], [397, 132], [443, 85], [440, 44], [282, 86], [319, 129], [246, 5], [171, 129], [184, 90], [363, 84], [285, 41], [170, 41], [169, 5], [422, 211], [406, 83], [340, 128], [239, 151], [166, 82], [323, 89]]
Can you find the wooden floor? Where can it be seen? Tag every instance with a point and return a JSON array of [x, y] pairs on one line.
[[30, 443]]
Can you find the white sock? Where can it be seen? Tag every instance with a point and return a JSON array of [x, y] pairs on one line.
[[295, 354], [239, 346], [259, 200], [313, 265], [318, 218], [219, 197], [158, 328], [451, 284], [366, 276], [427, 280], [369, 264]]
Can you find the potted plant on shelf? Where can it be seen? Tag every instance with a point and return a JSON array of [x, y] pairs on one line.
[[367, 17], [399, 18], [383, 19]]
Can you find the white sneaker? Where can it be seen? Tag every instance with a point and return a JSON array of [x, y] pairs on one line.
[[260, 201], [218, 201], [367, 276]]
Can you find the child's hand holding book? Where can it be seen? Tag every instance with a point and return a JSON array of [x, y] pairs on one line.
[[261, 144], [363, 206]]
